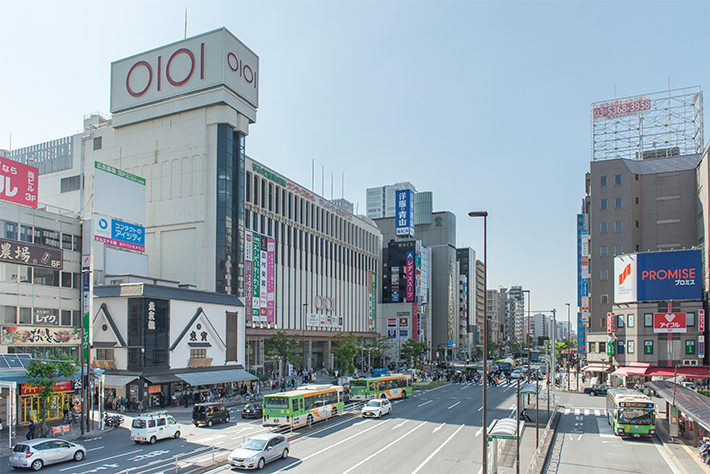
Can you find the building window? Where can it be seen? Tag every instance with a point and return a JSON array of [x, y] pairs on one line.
[[66, 317], [690, 319], [630, 347], [618, 226], [621, 347], [602, 180], [618, 250], [602, 347], [604, 227], [648, 347], [617, 179], [198, 353], [66, 241], [72, 183], [604, 274], [46, 277], [97, 143], [9, 314], [637, 200], [604, 299], [620, 321], [648, 320], [603, 251], [617, 203], [592, 347], [630, 320], [104, 354], [603, 204], [690, 347], [637, 224]]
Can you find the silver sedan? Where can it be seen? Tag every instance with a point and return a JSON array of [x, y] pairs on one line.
[[36, 453], [258, 450]]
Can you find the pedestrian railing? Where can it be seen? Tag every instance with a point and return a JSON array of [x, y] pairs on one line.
[[538, 460]]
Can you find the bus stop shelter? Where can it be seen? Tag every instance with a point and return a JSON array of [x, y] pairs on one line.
[[694, 406], [504, 428]]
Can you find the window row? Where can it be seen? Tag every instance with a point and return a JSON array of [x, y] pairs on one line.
[[604, 204], [666, 350], [265, 194], [603, 180], [13, 273], [40, 316], [628, 320], [604, 227], [35, 235]]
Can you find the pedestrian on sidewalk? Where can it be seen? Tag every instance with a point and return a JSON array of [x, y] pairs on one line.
[[31, 432], [524, 415], [73, 413]]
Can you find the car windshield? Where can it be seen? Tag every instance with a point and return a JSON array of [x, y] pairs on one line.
[[254, 445], [276, 402], [636, 416], [358, 383], [373, 403]]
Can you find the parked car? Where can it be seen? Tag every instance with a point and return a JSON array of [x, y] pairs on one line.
[[40, 452], [597, 389], [253, 410], [258, 450], [376, 408], [209, 413]]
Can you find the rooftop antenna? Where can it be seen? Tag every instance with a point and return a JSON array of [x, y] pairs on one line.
[[313, 174], [185, 22]]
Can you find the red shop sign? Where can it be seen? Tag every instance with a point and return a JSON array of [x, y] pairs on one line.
[[669, 322], [27, 389], [610, 322], [701, 320]]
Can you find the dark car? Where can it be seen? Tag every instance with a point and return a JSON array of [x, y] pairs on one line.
[[209, 413], [253, 410], [594, 390]]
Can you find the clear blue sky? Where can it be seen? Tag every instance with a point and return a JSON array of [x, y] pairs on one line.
[[486, 104]]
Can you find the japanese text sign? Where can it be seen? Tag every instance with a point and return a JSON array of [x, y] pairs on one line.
[[39, 336], [18, 182], [610, 322], [22, 253], [119, 234], [701, 320], [669, 322]]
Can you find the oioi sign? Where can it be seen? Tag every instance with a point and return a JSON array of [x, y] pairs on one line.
[[191, 65]]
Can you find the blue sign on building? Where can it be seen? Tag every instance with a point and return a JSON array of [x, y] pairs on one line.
[[404, 216], [669, 275]]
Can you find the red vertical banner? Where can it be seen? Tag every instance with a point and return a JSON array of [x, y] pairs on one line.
[[610, 322], [18, 182], [701, 320]]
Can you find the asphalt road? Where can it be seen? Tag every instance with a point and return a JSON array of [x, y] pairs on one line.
[[585, 443], [435, 431]]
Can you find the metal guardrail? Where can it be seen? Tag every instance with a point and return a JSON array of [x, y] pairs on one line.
[[538, 460]]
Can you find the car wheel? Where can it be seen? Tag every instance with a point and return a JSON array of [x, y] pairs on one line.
[[284, 455], [243, 415], [79, 455], [209, 424], [593, 394], [379, 414], [153, 439], [226, 420], [309, 420], [37, 465], [176, 435], [261, 464]]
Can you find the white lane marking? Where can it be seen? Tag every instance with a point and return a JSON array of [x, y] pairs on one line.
[[425, 403], [480, 409], [437, 450], [329, 447], [392, 443], [438, 427], [587, 412], [104, 459], [479, 432], [662, 450], [208, 439], [567, 411], [401, 424], [580, 437], [94, 449], [454, 405]]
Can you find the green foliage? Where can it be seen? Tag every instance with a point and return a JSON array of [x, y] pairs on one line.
[[44, 375], [287, 348], [412, 351], [344, 356]]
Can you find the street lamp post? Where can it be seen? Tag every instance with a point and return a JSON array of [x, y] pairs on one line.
[[303, 340], [484, 460], [569, 338], [527, 340]]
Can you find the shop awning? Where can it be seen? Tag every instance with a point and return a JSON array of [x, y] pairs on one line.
[[687, 372], [162, 378], [118, 380], [217, 376], [636, 368], [596, 368]]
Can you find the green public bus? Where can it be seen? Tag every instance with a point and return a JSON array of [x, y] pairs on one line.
[[387, 386], [630, 413], [303, 406]]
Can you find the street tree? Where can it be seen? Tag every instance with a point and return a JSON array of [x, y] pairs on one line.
[[344, 356], [44, 374], [412, 350], [286, 348]]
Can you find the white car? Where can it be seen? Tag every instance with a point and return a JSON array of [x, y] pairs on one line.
[[517, 374], [259, 450], [376, 408]]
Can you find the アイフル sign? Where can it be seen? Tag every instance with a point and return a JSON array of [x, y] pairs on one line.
[[669, 322]]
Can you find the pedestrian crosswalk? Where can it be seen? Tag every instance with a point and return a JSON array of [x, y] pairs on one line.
[[584, 411]]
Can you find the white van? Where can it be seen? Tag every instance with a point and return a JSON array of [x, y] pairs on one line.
[[151, 427]]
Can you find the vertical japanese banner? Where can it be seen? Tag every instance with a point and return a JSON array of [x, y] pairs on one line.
[[248, 277], [374, 301], [263, 285], [410, 276], [369, 299], [415, 321], [581, 336], [255, 284], [701, 320], [270, 283], [701, 346]]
